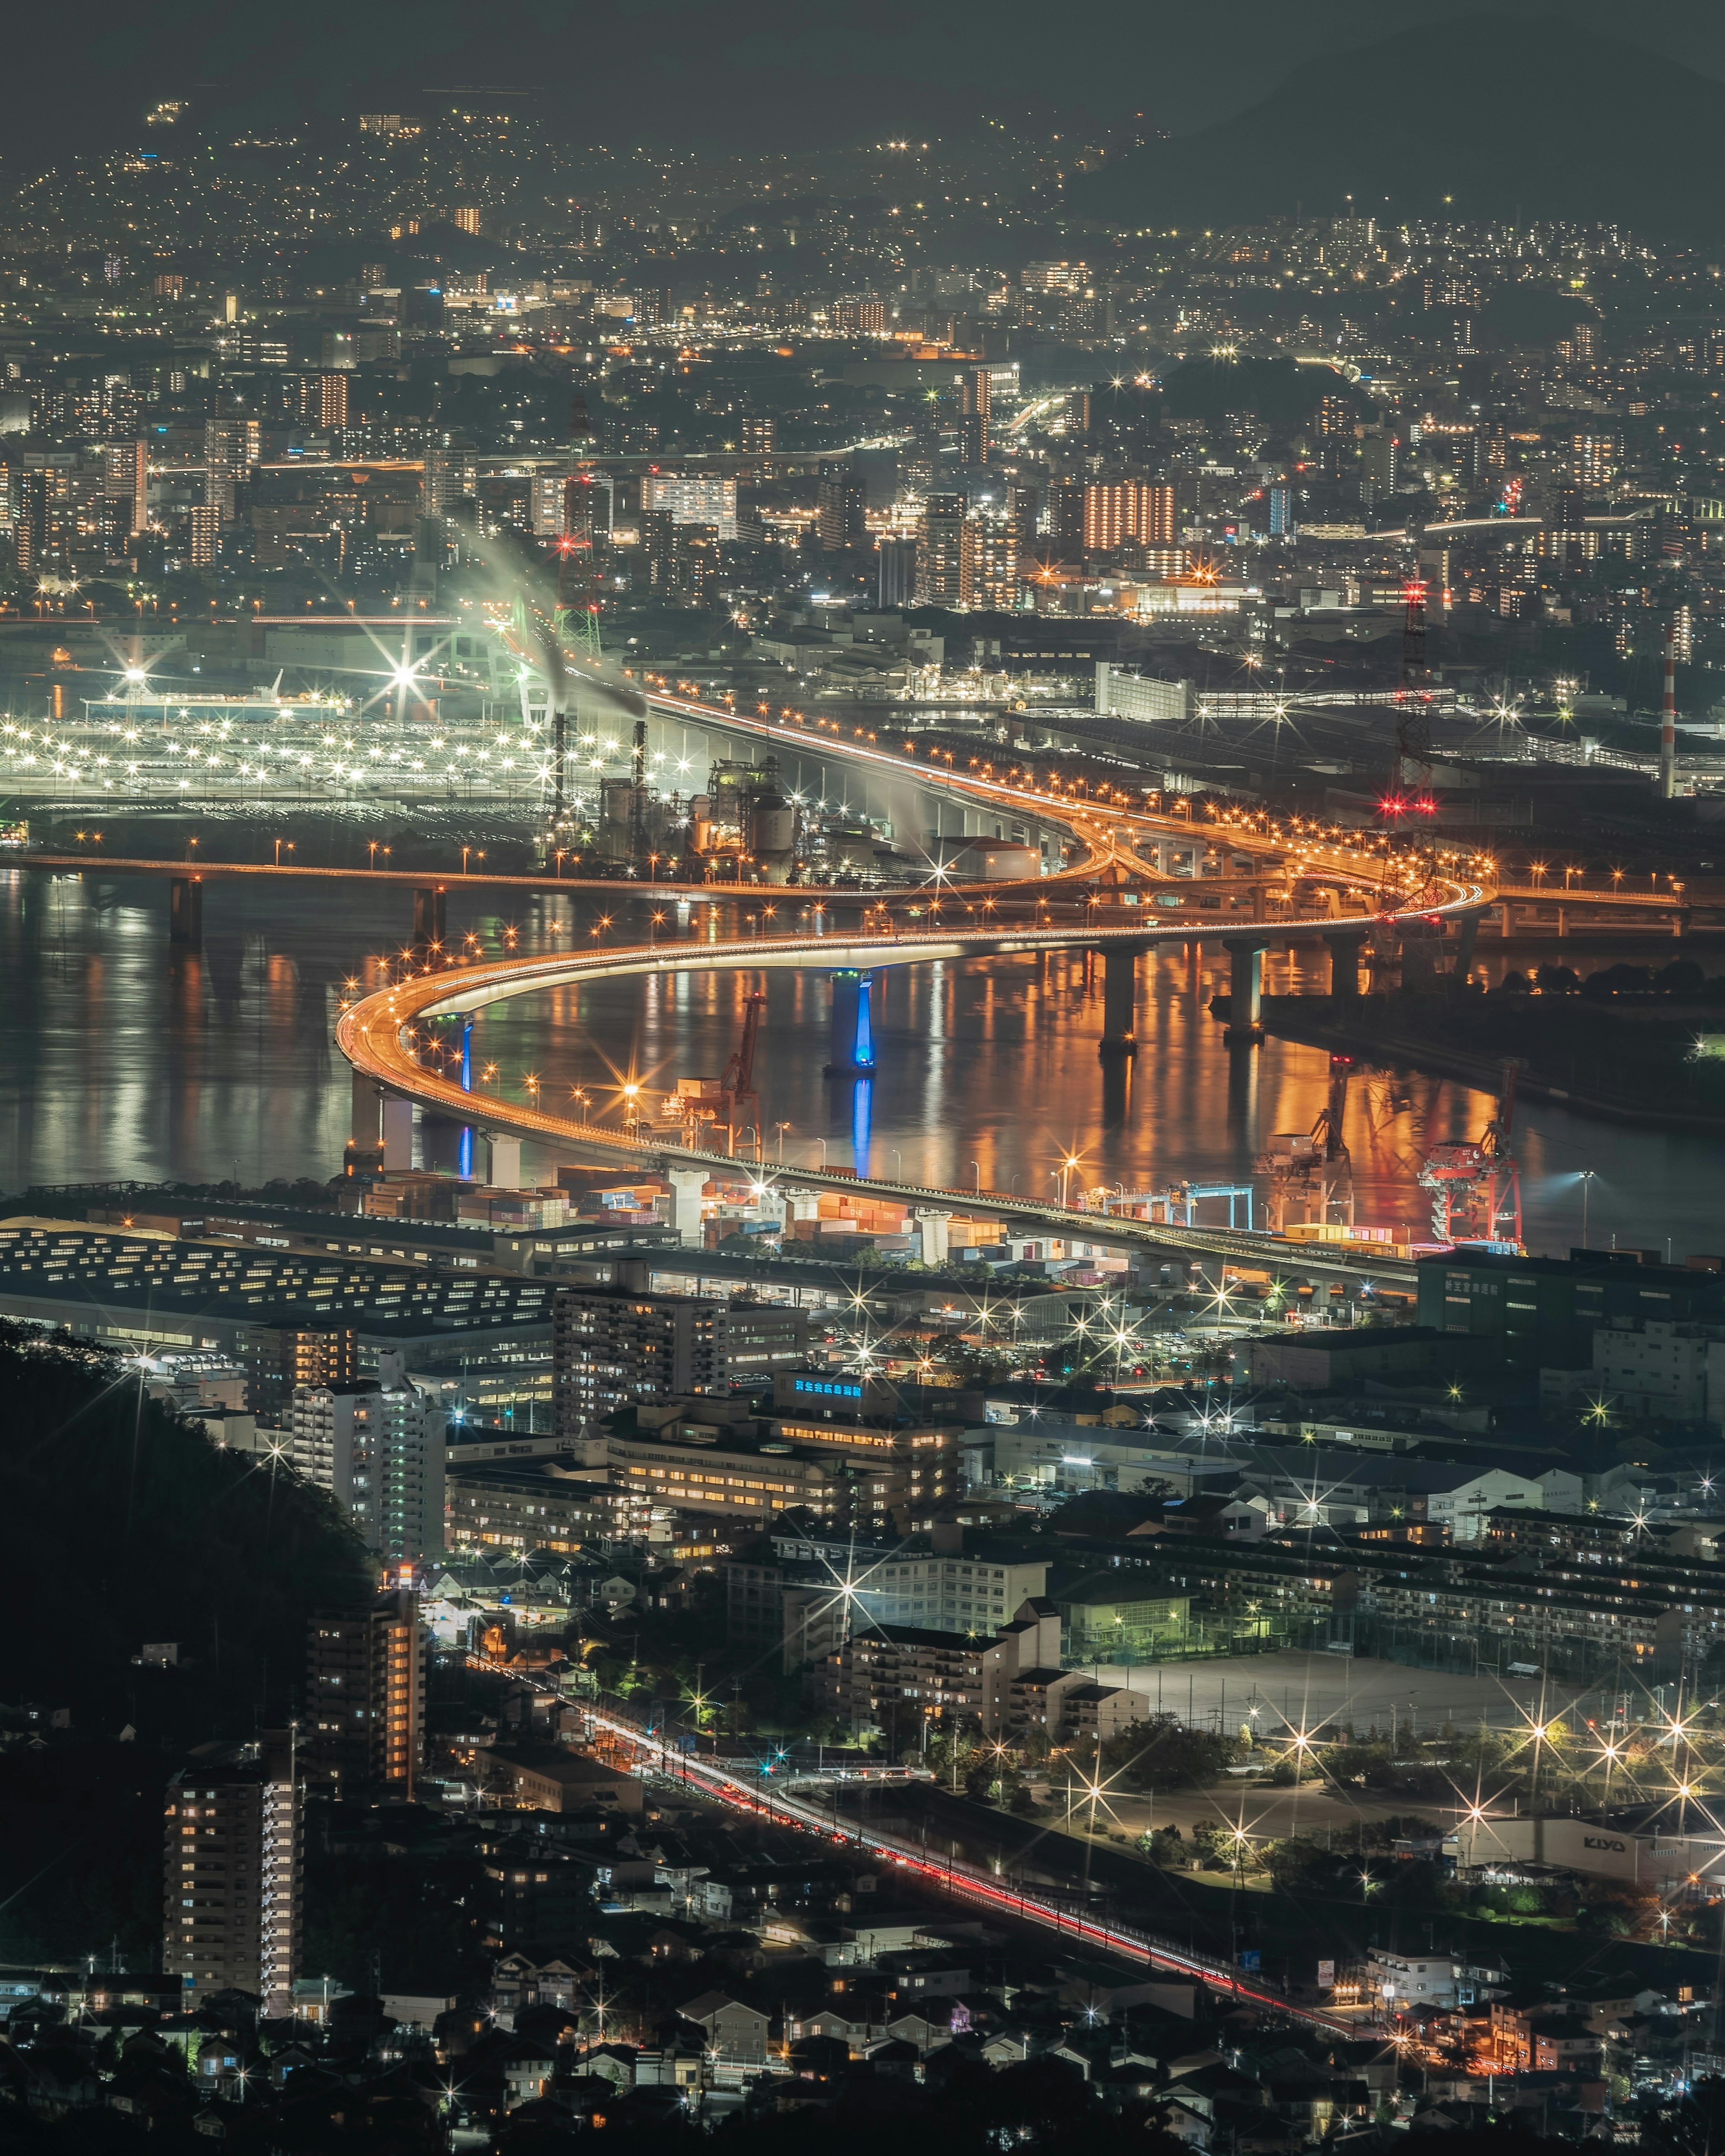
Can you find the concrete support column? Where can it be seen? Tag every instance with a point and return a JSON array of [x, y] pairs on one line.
[[185, 912], [1120, 1001], [932, 1230], [397, 1133], [1467, 934], [1344, 963], [687, 1185], [500, 1161], [428, 915], [366, 1117], [1245, 988], [853, 1025]]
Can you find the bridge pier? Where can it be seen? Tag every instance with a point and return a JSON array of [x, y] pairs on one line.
[[1120, 1001], [853, 1035], [1344, 963], [1467, 934], [1246, 988], [366, 1118], [687, 1185], [428, 918], [501, 1160], [397, 1133], [931, 1232], [185, 912]]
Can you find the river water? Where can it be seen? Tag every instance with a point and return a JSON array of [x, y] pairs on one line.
[[121, 1058]]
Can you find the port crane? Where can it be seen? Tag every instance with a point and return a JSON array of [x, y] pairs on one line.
[[1475, 1183], [1299, 1163], [731, 1098]]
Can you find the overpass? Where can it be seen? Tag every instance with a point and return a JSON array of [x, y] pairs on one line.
[[375, 1035]]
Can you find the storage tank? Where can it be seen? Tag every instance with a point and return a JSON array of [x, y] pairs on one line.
[[772, 835]]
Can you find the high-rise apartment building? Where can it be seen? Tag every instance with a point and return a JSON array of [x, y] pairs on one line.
[[126, 480], [693, 499], [451, 473], [1057, 277], [331, 401], [548, 503], [945, 552], [838, 501], [465, 218], [232, 446], [365, 1679], [897, 560], [1066, 520], [759, 437], [1595, 460], [611, 1347], [280, 1359], [994, 564], [1128, 508], [379, 1449], [231, 1887], [862, 316], [696, 564]]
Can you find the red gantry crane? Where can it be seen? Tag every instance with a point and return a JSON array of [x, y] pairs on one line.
[[1475, 1186]]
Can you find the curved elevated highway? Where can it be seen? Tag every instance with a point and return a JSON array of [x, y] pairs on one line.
[[376, 1036]]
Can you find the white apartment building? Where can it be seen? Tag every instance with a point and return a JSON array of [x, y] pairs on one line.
[[693, 499], [948, 1593], [380, 1452]]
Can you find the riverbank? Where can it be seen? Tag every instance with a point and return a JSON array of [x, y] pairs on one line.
[[1566, 1046]]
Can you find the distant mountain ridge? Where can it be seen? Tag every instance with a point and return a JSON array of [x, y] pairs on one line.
[[1474, 119]]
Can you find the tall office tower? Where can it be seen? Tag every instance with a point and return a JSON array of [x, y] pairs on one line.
[[366, 1678], [610, 1347], [1130, 508], [898, 572], [839, 504], [383, 1444], [126, 480], [1281, 510], [331, 401], [231, 447], [1595, 459], [451, 473], [231, 1887], [945, 552]]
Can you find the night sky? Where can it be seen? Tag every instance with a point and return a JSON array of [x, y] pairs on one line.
[[748, 72]]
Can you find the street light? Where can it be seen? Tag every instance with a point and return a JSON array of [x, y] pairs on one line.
[[783, 1128], [1587, 1176]]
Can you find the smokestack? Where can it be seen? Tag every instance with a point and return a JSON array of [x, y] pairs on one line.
[[1668, 720]]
